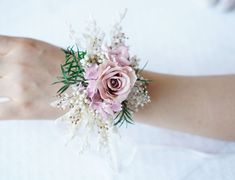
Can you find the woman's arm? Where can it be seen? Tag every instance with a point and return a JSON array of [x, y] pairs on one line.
[[198, 105], [203, 105]]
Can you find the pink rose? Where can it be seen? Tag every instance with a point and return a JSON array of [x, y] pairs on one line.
[[108, 86], [120, 55], [115, 82]]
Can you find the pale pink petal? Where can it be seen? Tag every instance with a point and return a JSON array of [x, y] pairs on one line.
[[107, 108], [116, 106], [92, 72], [91, 88], [120, 55]]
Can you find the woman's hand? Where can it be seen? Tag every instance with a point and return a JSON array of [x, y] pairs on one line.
[[27, 69]]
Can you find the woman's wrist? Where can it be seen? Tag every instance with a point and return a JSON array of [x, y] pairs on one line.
[[203, 105]]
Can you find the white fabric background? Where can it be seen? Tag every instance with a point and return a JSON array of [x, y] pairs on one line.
[[175, 37]]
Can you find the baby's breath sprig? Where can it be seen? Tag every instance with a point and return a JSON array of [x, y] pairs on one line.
[[72, 70], [140, 78], [144, 81]]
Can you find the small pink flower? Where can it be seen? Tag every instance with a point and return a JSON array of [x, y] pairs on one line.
[[92, 72], [106, 109], [120, 55]]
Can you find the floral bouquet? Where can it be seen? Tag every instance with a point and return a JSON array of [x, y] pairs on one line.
[[104, 85]]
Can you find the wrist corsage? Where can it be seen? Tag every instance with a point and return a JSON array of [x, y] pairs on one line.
[[102, 85]]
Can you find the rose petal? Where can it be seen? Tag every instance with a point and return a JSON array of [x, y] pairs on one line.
[[124, 78]]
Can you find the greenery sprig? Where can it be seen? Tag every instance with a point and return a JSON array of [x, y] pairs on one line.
[[72, 70], [124, 116]]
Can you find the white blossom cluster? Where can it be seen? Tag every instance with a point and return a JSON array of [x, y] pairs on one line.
[[118, 37], [138, 96], [93, 39], [82, 121]]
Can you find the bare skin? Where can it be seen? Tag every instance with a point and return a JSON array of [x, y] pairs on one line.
[[27, 69], [202, 105]]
